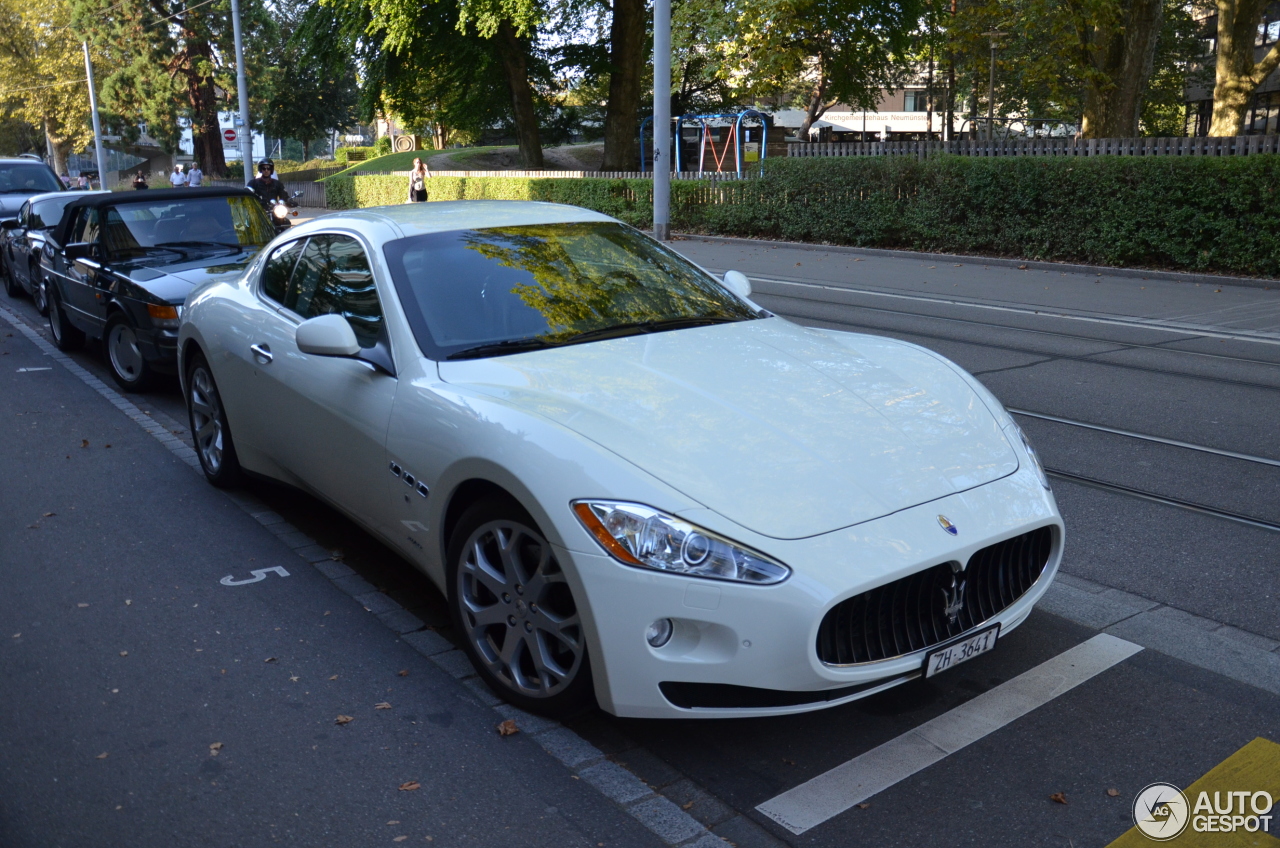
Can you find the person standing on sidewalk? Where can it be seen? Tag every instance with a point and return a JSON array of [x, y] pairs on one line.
[[177, 179], [195, 177], [140, 181], [418, 182]]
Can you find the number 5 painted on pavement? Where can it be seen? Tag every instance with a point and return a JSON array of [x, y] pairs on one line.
[[258, 574]]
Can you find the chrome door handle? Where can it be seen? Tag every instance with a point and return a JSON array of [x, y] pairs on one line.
[[262, 352]]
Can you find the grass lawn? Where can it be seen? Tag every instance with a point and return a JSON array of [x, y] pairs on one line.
[[404, 161]]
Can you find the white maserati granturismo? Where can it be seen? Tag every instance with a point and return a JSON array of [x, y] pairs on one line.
[[633, 483]]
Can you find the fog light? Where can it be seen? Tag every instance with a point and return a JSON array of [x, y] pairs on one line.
[[659, 633]]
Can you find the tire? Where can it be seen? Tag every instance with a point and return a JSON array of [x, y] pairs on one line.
[[123, 354], [65, 335], [516, 613], [209, 429], [39, 289]]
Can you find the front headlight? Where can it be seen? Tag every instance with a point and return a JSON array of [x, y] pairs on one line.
[[1031, 452], [280, 211], [638, 535]]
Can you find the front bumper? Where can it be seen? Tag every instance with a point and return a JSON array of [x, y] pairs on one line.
[[741, 650]]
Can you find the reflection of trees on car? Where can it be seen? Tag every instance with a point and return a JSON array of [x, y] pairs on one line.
[[589, 275]]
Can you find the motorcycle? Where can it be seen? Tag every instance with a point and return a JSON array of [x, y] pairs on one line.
[[279, 210]]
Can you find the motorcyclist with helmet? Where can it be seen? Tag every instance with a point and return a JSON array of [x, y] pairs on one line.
[[265, 185]]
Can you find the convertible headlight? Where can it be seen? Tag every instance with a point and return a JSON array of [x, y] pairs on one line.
[[641, 536], [1031, 452]]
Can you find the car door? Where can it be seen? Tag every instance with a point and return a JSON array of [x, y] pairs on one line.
[[80, 282], [15, 248], [324, 418]]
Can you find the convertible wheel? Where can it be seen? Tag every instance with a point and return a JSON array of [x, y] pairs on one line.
[[516, 613], [11, 286], [209, 427], [65, 335], [123, 355], [39, 290]]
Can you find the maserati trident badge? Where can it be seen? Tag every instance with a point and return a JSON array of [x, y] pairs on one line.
[[953, 599], [946, 524]]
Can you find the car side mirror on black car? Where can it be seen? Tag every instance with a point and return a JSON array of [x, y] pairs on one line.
[[9, 223], [80, 250]]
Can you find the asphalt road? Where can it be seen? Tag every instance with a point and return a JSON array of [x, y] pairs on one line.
[[1170, 550]]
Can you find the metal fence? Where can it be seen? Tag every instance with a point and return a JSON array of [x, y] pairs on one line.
[[312, 192], [601, 175], [1243, 145]]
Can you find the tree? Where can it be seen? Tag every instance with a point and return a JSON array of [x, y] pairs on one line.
[[829, 51], [628, 31], [42, 58], [1118, 51], [171, 61], [1238, 75]]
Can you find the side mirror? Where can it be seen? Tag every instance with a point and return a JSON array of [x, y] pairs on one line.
[[79, 250], [9, 223], [295, 195], [327, 335], [737, 282]]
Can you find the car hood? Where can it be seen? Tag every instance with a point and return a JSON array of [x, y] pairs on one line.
[[173, 282], [786, 431]]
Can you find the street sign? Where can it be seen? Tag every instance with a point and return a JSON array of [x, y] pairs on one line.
[[229, 136]]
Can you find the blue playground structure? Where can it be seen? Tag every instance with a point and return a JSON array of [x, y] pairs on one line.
[[707, 143]]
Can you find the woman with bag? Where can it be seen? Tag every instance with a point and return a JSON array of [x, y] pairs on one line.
[[418, 182]]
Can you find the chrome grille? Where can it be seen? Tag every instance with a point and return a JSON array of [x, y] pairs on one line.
[[911, 614]]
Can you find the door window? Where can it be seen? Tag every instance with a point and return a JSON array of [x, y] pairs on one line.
[[276, 273], [333, 277], [85, 228]]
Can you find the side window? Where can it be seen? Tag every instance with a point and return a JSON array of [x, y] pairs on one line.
[[333, 276], [275, 274], [24, 216], [85, 227]]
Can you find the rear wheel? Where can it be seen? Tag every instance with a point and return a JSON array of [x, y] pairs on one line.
[[39, 288], [65, 336], [209, 429], [516, 613], [124, 354]]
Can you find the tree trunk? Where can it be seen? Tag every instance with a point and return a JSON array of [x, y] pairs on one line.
[[206, 133], [306, 149], [1121, 60], [626, 60], [515, 63], [814, 107], [1238, 76]]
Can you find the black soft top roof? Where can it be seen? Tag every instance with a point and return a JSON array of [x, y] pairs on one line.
[[120, 198]]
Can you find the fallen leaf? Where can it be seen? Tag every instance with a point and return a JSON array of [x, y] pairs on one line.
[[797, 264], [688, 806], [344, 719], [124, 653], [400, 839], [294, 679], [404, 672], [383, 706], [335, 555], [82, 606], [1058, 797], [863, 806], [106, 446], [101, 756], [128, 603], [215, 748], [508, 728], [50, 514], [1113, 792], [84, 443], [270, 659], [335, 677], [17, 635], [393, 821], [1022, 267], [409, 786]]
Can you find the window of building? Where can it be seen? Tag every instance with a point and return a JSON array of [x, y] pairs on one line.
[[916, 101]]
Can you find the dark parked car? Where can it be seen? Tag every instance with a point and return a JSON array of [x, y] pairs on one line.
[[127, 261], [26, 238]]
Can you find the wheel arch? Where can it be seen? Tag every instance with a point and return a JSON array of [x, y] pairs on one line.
[[463, 495]]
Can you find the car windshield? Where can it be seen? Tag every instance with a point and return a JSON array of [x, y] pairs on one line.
[[133, 229], [47, 213], [28, 177], [472, 293]]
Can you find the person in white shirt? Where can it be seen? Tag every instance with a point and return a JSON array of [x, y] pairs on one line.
[[177, 179], [195, 176]]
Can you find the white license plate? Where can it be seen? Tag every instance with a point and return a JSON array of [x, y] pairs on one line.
[[958, 652]]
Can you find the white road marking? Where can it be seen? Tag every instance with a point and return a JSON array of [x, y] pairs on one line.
[[1049, 312], [258, 574], [827, 795], [23, 370]]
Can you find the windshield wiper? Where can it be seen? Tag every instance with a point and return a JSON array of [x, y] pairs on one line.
[[635, 328], [501, 348], [198, 244]]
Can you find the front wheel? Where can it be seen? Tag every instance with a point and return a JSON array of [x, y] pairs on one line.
[[209, 429], [11, 286], [39, 290], [66, 336], [124, 354], [516, 613]]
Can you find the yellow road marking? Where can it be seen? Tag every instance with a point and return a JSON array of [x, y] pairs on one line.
[[1255, 767]]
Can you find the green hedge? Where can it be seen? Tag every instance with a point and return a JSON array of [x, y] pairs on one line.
[[1195, 213]]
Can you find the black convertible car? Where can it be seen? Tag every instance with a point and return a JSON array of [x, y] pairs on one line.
[[26, 238], [126, 262]]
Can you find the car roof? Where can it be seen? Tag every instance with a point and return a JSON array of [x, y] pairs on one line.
[[99, 199], [53, 195], [412, 219]]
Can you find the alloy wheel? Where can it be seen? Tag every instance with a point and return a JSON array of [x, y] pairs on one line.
[[517, 610], [206, 420]]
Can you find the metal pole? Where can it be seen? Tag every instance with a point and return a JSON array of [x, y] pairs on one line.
[[991, 90], [242, 122], [662, 119], [97, 124]]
